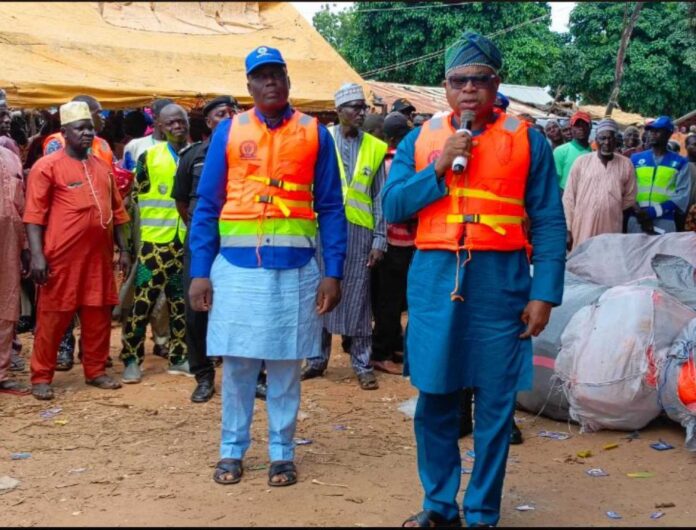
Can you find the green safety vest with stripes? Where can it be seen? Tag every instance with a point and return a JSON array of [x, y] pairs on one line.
[[159, 219], [356, 195], [656, 183]]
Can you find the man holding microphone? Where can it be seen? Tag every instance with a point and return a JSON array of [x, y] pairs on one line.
[[473, 303]]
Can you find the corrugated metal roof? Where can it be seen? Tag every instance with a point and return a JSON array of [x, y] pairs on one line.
[[432, 99], [532, 95]]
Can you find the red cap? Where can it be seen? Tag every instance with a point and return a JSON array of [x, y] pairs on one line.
[[584, 116]]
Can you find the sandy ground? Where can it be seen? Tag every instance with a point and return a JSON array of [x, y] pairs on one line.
[[144, 455]]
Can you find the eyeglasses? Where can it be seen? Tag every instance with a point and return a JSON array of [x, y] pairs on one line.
[[357, 107], [478, 81]]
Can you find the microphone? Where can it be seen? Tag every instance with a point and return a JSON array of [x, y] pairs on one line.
[[466, 120]]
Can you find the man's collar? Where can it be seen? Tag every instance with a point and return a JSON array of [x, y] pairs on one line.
[[287, 114]]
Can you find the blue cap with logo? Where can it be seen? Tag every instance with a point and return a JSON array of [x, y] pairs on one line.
[[263, 55], [661, 122]]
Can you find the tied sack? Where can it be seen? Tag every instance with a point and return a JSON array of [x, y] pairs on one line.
[[677, 383], [611, 352], [546, 396]]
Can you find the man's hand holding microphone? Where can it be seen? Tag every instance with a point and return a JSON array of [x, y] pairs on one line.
[[457, 148]]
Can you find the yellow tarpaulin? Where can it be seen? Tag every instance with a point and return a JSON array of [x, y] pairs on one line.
[[127, 53]]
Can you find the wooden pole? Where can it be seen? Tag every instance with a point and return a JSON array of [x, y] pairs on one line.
[[620, 56]]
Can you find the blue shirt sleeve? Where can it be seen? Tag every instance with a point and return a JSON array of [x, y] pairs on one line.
[[204, 238], [328, 204], [547, 222], [407, 191]]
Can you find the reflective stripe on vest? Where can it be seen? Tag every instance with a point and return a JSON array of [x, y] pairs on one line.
[[484, 207], [270, 180], [356, 195], [656, 183], [159, 218]]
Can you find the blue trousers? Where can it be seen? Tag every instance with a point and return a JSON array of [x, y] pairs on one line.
[[239, 375], [360, 353], [436, 426]]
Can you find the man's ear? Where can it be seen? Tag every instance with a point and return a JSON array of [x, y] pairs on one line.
[[289, 83]]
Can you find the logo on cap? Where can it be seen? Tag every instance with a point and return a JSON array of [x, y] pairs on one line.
[[262, 51], [641, 162]]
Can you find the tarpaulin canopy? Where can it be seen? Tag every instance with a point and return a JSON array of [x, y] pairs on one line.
[[127, 53]]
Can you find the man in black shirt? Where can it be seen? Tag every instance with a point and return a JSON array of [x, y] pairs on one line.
[[185, 194]]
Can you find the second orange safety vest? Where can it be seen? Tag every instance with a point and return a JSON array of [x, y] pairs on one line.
[[100, 147], [484, 206]]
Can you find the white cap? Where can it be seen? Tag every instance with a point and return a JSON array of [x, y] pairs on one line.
[[74, 111], [348, 92]]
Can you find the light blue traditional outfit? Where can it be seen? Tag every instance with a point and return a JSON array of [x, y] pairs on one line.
[[264, 298], [353, 316], [473, 343]]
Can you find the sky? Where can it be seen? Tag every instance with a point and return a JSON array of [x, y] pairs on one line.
[[560, 11]]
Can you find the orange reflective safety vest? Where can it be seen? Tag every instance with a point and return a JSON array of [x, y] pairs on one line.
[[270, 179], [100, 147], [484, 205]]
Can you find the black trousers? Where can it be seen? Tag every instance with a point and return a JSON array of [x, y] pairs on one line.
[[390, 301], [196, 328]]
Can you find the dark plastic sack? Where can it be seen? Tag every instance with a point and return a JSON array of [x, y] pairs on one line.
[[677, 277]]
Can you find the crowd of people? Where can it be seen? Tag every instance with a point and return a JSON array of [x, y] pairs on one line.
[[251, 248]]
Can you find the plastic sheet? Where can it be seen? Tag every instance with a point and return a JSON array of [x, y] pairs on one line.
[[611, 354], [616, 259]]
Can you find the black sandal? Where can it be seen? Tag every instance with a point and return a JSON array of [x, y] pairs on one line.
[[431, 519], [283, 468], [228, 465]]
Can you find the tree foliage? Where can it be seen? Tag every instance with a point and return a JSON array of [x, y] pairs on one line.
[[660, 67], [370, 39]]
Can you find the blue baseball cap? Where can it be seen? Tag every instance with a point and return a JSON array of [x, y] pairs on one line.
[[661, 122], [501, 101], [262, 55]]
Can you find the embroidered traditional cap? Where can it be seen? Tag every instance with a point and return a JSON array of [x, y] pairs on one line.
[[348, 92], [74, 111], [473, 49], [263, 55], [607, 124]]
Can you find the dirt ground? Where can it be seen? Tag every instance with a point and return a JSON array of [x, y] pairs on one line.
[[144, 455]]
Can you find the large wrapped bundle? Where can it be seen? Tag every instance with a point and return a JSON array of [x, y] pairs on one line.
[[615, 259], [677, 383], [546, 396], [610, 352]]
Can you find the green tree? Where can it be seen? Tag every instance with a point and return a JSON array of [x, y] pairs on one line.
[[373, 35], [660, 67]]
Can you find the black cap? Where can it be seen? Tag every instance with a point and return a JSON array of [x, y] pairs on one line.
[[396, 125], [216, 102], [158, 105], [401, 105]]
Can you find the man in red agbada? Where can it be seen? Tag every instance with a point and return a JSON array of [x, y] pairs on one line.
[[71, 209]]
